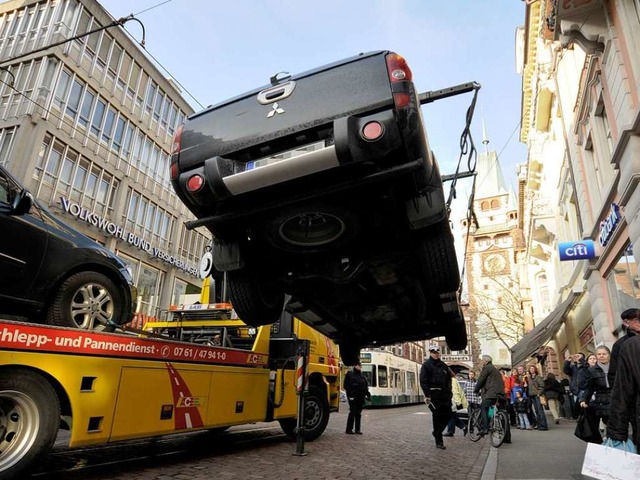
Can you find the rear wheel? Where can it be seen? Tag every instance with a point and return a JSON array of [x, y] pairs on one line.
[[255, 300], [29, 419], [349, 352], [87, 300], [474, 426], [456, 333], [316, 416], [499, 429], [438, 255]]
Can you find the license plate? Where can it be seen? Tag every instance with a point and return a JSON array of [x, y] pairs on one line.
[[263, 162]]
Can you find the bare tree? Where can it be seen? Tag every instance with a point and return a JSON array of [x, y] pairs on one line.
[[499, 310]]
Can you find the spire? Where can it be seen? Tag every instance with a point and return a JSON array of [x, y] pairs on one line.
[[485, 137]]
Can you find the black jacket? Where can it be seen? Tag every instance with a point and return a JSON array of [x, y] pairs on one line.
[[490, 383], [615, 353], [552, 388], [596, 382], [356, 385], [625, 395], [577, 372], [435, 374]]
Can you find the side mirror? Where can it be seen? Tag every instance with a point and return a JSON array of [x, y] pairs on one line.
[[22, 203]]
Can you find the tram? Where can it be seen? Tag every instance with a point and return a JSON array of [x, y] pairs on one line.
[[393, 380]]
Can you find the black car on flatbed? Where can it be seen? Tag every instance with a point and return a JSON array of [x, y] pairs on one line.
[[322, 187]]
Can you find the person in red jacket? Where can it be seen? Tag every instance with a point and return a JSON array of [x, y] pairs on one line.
[[508, 386]]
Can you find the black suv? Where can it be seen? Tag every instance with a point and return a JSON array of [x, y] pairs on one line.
[[52, 273], [322, 186]]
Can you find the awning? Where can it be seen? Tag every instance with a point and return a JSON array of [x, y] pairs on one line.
[[541, 333]]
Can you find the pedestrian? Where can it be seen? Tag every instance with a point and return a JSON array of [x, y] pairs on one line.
[[491, 388], [521, 406], [572, 367], [469, 390], [357, 389], [507, 380], [592, 360], [458, 402], [597, 391], [554, 392], [630, 324], [625, 395], [535, 388], [435, 380]]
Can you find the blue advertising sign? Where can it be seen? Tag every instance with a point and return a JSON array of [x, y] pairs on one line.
[[577, 250], [609, 224]]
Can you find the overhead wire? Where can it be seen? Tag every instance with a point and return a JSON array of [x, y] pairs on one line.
[[158, 63]]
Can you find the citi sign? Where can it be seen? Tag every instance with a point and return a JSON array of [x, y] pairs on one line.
[[577, 250]]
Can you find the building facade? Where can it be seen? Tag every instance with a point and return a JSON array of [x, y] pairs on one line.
[[581, 120], [87, 127]]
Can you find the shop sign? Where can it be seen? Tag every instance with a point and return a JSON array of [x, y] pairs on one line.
[[577, 250], [609, 224], [101, 223]]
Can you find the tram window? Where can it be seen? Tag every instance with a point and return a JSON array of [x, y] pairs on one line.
[[394, 375], [369, 372], [383, 379], [411, 380]]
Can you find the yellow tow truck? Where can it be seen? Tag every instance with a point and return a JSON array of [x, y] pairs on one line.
[[201, 369]]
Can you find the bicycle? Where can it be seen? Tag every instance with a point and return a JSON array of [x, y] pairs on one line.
[[498, 421]]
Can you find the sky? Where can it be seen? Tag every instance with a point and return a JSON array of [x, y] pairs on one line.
[[218, 49]]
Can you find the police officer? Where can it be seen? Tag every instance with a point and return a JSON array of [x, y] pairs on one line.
[[357, 388], [435, 380]]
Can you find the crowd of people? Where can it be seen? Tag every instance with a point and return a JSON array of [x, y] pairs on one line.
[[604, 386]]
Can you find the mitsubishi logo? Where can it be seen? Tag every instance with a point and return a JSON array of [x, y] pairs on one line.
[[276, 110]]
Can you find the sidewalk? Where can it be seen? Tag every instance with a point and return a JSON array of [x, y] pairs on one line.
[[555, 454]]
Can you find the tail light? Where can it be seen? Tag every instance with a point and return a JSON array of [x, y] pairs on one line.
[[195, 183], [173, 171], [176, 146], [399, 71]]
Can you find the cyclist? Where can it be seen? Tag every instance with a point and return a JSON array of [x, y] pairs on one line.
[[491, 387]]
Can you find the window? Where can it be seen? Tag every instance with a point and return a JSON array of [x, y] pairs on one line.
[[6, 144], [60, 96], [87, 106], [622, 283], [74, 99], [369, 372], [383, 379], [98, 115]]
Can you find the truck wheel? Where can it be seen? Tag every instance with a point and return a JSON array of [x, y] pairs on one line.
[[86, 300], [29, 419], [438, 254], [256, 302], [349, 352], [456, 333], [316, 416]]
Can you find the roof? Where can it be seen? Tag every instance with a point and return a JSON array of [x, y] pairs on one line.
[[541, 333]]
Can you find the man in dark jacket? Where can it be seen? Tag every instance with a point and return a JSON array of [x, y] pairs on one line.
[[625, 395], [435, 380], [491, 387], [630, 323], [357, 389], [576, 368]]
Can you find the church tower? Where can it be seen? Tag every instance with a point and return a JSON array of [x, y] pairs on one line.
[[490, 263]]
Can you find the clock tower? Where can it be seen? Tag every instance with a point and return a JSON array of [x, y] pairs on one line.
[[491, 265]]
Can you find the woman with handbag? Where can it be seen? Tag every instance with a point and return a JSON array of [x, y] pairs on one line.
[[458, 402]]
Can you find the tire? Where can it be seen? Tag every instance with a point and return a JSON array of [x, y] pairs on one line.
[[349, 352], [29, 419], [456, 334], [438, 255], [474, 426], [87, 300], [499, 429], [316, 416], [312, 228], [254, 300]]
